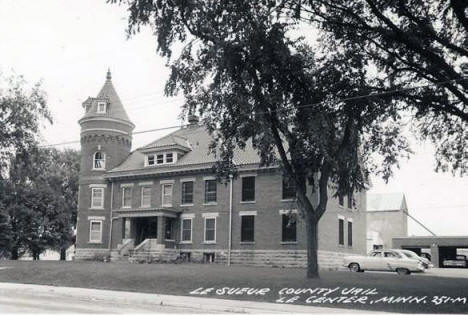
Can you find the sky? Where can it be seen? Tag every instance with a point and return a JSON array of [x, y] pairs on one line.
[[68, 45]]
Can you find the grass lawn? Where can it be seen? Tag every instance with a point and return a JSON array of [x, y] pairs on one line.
[[183, 278]]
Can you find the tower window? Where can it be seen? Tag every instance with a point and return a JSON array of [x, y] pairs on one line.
[[99, 161], [101, 107]]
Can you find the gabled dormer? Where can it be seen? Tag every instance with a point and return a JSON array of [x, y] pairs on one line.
[[165, 151]]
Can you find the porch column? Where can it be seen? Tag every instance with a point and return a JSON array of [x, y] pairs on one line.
[[161, 229], [435, 255]]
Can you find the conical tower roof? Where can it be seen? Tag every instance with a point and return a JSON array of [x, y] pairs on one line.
[[115, 108]]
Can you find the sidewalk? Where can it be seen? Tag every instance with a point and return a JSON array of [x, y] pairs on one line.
[[192, 304]]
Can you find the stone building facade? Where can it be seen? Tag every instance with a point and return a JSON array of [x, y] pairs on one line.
[[162, 202]]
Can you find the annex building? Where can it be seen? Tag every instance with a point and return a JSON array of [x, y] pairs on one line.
[[162, 201]]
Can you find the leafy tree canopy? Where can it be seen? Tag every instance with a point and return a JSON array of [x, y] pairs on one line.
[[22, 110], [254, 83]]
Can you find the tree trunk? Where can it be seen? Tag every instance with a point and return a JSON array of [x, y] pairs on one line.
[[14, 253], [63, 253], [312, 245]]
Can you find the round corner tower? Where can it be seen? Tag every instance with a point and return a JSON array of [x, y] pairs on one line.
[[106, 141], [106, 132]]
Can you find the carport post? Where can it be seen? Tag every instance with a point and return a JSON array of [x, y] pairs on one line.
[[435, 255]]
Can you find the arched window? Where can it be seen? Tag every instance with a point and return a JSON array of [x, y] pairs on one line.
[[99, 160]]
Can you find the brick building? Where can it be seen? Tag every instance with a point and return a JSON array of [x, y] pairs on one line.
[[162, 200]]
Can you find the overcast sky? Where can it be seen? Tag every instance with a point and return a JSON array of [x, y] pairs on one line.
[[70, 44]]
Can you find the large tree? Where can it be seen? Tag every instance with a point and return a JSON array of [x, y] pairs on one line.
[[255, 84], [40, 200]]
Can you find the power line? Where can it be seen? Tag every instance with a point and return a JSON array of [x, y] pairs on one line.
[[303, 106], [134, 133]]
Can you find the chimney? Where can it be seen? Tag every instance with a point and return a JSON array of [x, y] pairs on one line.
[[193, 120]]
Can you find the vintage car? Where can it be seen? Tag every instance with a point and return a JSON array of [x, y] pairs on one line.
[[384, 260], [410, 254], [459, 261]]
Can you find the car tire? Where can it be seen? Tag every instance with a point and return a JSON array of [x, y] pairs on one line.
[[403, 271], [354, 267]]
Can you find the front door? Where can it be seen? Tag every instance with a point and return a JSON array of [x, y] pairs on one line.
[[146, 227]]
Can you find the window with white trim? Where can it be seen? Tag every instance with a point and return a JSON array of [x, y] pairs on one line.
[[350, 233], [289, 227], [248, 188], [350, 201], [126, 197], [161, 158], [186, 228], [210, 190], [101, 107], [187, 193], [340, 231], [99, 160], [289, 188], [145, 196], [247, 228], [97, 198], [210, 230], [166, 198], [95, 231]]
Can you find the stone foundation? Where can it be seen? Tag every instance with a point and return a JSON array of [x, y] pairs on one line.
[[99, 254], [260, 258]]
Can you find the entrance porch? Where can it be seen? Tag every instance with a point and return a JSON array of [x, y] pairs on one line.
[[138, 233]]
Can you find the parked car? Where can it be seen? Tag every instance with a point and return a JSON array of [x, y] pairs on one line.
[[384, 260], [459, 261], [410, 254], [426, 255]]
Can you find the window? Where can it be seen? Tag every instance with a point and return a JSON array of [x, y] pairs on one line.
[[247, 228], [145, 196], [99, 161], [95, 231], [161, 158], [376, 254], [341, 231], [289, 188], [186, 230], [97, 198], [391, 254], [210, 190], [169, 230], [341, 200], [187, 192], [248, 188], [166, 195], [126, 197], [350, 201], [101, 107], [350, 233], [169, 158], [377, 247], [288, 228], [210, 230]]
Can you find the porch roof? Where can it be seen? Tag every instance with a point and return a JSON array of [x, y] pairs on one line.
[[146, 212]]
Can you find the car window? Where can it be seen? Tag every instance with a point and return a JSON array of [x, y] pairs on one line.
[[375, 254], [390, 254]]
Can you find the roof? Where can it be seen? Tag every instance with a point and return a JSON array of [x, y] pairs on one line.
[[386, 201], [115, 108], [197, 140]]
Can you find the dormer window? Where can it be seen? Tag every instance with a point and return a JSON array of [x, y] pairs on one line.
[[161, 158], [99, 161], [101, 107]]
